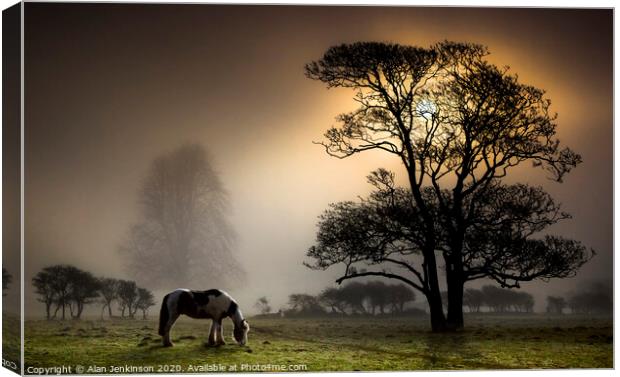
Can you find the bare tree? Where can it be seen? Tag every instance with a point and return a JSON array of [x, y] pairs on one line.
[[183, 237], [458, 124]]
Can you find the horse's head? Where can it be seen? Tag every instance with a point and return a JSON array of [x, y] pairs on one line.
[[240, 332]]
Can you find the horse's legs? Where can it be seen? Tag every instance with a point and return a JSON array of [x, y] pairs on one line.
[[211, 341], [169, 324], [219, 337]]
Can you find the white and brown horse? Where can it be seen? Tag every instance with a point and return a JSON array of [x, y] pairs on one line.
[[212, 304]]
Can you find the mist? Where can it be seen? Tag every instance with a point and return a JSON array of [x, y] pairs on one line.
[[116, 86]]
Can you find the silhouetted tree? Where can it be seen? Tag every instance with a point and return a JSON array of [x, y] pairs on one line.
[[43, 283], [184, 235], [84, 287], [145, 301], [108, 288], [6, 280], [458, 124], [65, 286], [556, 304], [127, 297], [262, 304]]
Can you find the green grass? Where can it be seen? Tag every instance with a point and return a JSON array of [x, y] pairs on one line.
[[11, 341], [332, 344]]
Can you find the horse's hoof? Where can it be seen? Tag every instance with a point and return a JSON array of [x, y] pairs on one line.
[[168, 344]]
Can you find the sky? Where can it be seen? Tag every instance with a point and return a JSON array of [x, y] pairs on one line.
[[110, 87]]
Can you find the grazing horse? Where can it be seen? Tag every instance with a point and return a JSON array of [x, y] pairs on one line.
[[212, 304]]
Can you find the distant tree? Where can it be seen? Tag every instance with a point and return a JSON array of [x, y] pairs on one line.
[[145, 301], [556, 304], [354, 296], [108, 288], [398, 296], [127, 297], [262, 304], [522, 302], [458, 124], [184, 234], [65, 286], [473, 299], [377, 296], [595, 297], [44, 284], [333, 298], [7, 278], [496, 298], [305, 304], [84, 287]]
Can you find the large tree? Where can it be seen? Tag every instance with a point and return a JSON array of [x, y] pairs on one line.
[[183, 237], [458, 125]]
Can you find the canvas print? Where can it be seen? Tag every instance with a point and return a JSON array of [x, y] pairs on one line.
[[279, 188]]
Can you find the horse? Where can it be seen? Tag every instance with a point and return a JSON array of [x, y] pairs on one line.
[[211, 304]]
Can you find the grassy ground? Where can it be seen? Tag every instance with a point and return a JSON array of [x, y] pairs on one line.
[[334, 344], [11, 340]]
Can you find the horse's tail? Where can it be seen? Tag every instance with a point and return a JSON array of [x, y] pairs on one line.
[[164, 315]]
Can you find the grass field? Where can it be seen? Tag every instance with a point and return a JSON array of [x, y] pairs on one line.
[[333, 344]]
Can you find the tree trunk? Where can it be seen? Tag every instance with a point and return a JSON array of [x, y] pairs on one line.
[[110, 309], [455, 301], [438, 320]]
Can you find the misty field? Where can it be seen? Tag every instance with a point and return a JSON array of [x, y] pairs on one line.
[[338, 344]]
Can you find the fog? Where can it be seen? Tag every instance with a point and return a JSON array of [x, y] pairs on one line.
[[111, 87]]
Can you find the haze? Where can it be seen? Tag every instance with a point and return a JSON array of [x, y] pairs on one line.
[[110, 87]]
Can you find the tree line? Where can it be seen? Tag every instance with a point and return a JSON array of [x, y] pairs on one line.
[[355, 298], [595, 298], [68, 290], [497, 300]]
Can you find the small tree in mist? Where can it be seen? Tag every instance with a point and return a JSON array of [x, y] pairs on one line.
[[399, 295], [594, 297], [556, 304], [43, 283], [473, 299], [108, 288], [145, 301], [458, 124], [127, 297], [84, 289], [304, 304], [333, 299], [262, 304], [183, 237], [7, 278], [66, 287]]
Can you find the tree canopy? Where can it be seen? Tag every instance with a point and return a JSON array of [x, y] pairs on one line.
[[458, 124]]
